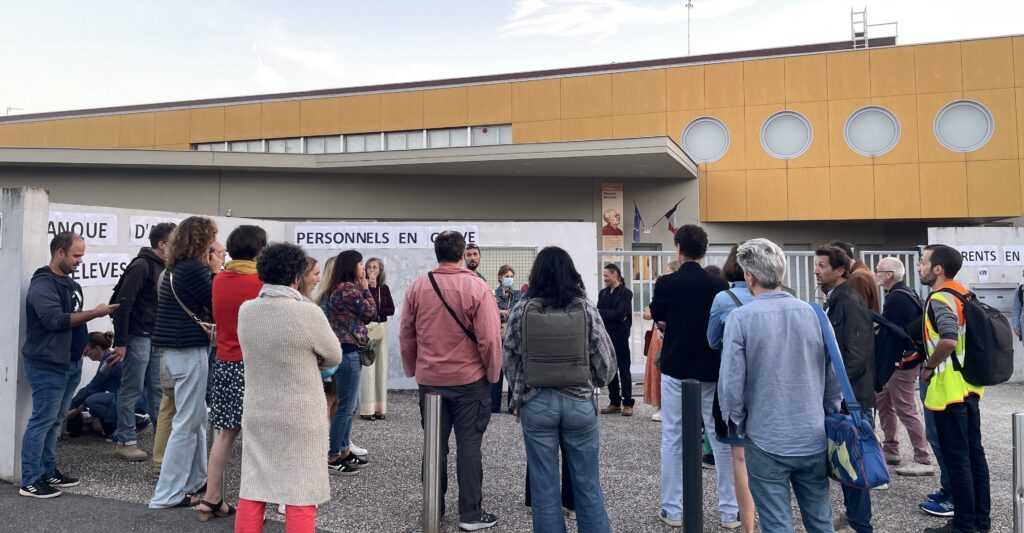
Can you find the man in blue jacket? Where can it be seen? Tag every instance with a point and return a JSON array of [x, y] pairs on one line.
[[56, 336]]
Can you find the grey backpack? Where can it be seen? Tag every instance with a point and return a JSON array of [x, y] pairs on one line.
[[556, 351]]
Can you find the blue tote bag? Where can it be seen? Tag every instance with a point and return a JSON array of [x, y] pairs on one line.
[[855, 456]]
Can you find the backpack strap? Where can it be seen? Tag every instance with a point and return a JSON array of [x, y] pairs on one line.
[[832, 347], [963, 302], [912, 295], [735, 299], [433, 283]]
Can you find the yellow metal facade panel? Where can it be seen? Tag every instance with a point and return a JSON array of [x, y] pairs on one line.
[[944, 189], [929, 148], [103, 132], [727, 196], [3, 135], [206, 124], [892, 71], [445, 108], [767, 195], [905, 109], [320, 116], [853, 192], [170, 127], [243, 122], [816, 154], [684, 88], [138, 130], [28, 135], [360, 114], [401, 111], [640, 92], [897, 191], [1018, 61], [735, 155], [1020, 121], [764, 81], [723, 85], [849, 75], [987, 64], [1003, 106], [839, 153], [536, 100], [536, 132], [993, 188], [645, 125], [584, 129], [280, 119], [757, 157], [808, 191], [702, 175], [938, 68], [69, 133], [806, 78], [586, 96], [490, 104], [177, 147], [676, 122]]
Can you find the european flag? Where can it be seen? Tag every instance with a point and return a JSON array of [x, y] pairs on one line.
[[638, 223]]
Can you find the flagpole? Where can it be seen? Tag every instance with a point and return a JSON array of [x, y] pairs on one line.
[[663, 217]]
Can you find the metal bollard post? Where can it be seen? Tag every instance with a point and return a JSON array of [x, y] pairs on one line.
[[1018, 472], [432, 463], [693, 485]]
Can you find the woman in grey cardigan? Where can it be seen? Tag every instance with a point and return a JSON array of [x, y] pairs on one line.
[[287, 343]]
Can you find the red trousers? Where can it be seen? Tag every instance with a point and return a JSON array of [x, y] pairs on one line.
[[249, 517]]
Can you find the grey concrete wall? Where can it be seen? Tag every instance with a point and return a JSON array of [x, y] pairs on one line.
[[23, 248]]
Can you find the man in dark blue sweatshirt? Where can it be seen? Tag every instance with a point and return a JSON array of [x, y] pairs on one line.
[[56, 336]]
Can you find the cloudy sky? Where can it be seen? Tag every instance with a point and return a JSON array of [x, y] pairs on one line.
[[63, 54]]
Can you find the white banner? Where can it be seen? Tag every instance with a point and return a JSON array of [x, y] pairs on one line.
[[99, 229], [980, 255], [1013, 255], [375, 237], [138, 229], [101, 269]]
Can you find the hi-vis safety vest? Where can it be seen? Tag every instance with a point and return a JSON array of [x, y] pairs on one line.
[[947, 385]]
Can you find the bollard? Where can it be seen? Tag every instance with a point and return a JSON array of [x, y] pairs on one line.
[[1018, 472], [693, 485], [431, 463]]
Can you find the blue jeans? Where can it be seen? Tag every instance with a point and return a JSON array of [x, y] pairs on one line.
[[672, 447], [933, 438], [51, 399], [858, 501], [550, 421], [770, 478], [347, 379], [183, 468], [141, 372]]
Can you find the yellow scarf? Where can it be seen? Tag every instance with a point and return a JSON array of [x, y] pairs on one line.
[[241, 266]]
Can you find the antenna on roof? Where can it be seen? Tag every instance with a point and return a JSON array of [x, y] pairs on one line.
[[689, 7], [12, 108]]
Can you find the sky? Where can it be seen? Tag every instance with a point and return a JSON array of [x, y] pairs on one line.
[[64, 55]]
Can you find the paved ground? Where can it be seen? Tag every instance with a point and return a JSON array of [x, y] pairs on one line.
[[385, 497]]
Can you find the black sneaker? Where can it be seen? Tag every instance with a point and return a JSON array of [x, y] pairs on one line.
[[485, 521], [354, 461], [341, 468], [707, 461], [62, 481], [946, 528], [40, 489]]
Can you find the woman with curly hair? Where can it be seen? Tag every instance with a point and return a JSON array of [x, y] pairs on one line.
[[185, 300]]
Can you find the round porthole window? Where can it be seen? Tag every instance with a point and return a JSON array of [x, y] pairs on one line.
[[706, 140], [786, 135], [964, 126], [872, 131]]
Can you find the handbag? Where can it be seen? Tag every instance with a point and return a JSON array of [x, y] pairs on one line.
[[367, 352], [209, 328], [855, 456]]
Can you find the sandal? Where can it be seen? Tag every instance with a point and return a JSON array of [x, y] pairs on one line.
[[216, 510], [379, 416], [190, 500], [366, 417]]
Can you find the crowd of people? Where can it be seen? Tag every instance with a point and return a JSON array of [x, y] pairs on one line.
[[272, 346]]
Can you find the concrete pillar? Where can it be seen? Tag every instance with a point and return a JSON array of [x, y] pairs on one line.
[[24, 247]]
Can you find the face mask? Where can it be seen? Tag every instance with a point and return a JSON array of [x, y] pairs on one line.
[[507, 282]]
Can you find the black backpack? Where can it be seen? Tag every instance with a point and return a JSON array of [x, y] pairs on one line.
[[894, 349], [988, 353], [120, 280]]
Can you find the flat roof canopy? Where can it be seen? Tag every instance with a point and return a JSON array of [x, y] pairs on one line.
[[649, 157]]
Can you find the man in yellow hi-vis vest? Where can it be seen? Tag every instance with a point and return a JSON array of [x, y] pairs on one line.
[[952, 399]]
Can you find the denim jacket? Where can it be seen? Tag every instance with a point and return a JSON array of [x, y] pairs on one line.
[[506, 303]]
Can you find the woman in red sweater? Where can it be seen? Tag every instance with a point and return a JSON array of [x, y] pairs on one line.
[[236, 284]]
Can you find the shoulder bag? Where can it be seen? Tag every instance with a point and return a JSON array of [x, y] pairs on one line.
[[366, 349], [433, 283], [209, 328]]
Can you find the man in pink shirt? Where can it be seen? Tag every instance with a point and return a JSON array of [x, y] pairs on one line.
[[450, 344]]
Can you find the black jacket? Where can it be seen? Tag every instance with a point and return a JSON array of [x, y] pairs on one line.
[[174, 328], [137, 296], [855, 334], [51, 343], [683, 301], [616, 308]]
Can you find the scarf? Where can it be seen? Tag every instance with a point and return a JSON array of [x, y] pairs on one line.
[[280, 291], [241, 266]]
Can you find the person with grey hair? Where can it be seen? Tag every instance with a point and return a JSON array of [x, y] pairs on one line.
[[777, 338]]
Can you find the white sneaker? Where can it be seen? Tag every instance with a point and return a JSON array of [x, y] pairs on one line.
[[916, 469], [883, 486], [656, 416], [731, 522], [672, 522], [281, 508], [361, 452]]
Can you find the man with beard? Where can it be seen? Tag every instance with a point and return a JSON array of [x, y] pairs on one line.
[[472, 259]]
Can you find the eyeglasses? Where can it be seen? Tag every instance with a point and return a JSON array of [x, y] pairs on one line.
[[884, 271]]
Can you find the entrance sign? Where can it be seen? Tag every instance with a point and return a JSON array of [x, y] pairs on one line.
[[99, 229], [375, 237]]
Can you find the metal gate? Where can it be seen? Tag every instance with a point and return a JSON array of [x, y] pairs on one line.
[[909, 258]]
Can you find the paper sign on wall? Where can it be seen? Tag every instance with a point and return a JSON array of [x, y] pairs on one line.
[[138, 230], [1013, 255], [99, 229], [375, 237], [100, 269], [980, 255]]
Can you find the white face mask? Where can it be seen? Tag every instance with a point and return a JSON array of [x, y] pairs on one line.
[[507, 282]]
